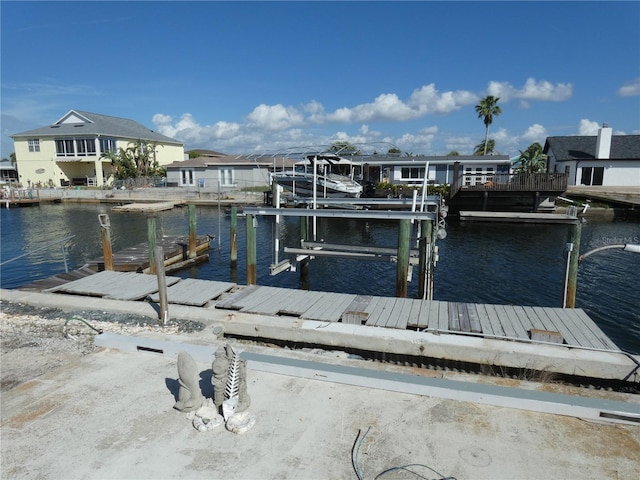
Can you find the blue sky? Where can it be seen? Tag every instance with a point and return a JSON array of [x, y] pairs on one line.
[[243, 77]]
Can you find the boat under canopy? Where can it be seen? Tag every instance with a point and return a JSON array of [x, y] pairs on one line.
[[331, 174]]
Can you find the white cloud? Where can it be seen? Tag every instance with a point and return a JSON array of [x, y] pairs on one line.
[[587, 127], [275, 117], [531, 90], [535, 133], [630, 89], [189, 131]]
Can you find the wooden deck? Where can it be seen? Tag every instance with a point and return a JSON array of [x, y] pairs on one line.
[[136, 258], [570, 327]]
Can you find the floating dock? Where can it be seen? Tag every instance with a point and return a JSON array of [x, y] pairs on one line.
[[564, 341], [144, 207], [518, 217], [136, 258]]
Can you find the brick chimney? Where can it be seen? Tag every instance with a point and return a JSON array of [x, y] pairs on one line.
[[603, 144]]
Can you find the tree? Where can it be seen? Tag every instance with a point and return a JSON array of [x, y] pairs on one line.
[[394, 151], [484, 148], [532, 160], [137, 160], [487, 109], [453, 153], [343, 148]]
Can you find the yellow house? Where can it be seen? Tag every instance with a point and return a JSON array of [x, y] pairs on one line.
[[69, 152]]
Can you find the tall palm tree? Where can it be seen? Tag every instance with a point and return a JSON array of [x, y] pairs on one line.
[[487, 109], [532, 160]]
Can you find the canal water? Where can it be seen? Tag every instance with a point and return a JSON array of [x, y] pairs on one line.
[[483, 263]]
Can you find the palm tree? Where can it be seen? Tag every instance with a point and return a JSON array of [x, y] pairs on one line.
[[486, 147], [487, 109], [532, 160]]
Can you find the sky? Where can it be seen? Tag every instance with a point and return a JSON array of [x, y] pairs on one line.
[[272, 77]]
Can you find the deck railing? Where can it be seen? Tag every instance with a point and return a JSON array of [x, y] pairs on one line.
[[515, 182]]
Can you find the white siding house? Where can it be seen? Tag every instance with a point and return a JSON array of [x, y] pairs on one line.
[[604, 159]]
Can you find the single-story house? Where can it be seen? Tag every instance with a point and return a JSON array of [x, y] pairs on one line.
[[70, 151], [213, 170], [399, 170], [604, 159], [8, 173]]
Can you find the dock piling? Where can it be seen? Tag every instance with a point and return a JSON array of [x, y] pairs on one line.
[[163, 314], [234, 236], [152, 241], [252, 266], [105, 233], [575, 232], [403, 258], [193, 222]]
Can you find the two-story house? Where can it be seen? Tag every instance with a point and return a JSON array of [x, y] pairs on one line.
[[71, 150]]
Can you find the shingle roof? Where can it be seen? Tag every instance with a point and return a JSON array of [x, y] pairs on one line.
[[97, 124], [226, 160], [623, 147]]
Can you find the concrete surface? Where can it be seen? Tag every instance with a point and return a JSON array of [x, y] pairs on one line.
[[110, 416]]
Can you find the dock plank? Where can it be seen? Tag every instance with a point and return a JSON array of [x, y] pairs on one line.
[[489, 324], [399, 314], [553, 323], [330, 308], [597, 331], [194, 292], [505, 321], [443, 316], [265, 300], [588, 328], [299, 302], [355, 312], [413, 320], [474, 319], [233, 300], [380, 315], [115, 285], [520, 330]]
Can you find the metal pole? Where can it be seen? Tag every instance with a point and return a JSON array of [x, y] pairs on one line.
[[193, 222], [219, 216]]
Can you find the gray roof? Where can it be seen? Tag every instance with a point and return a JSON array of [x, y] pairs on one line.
[[94, 124], [623, 147], [226, 160]]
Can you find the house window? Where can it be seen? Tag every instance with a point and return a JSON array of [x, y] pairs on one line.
[[86, 146], [107, 145], [592, 175], [34, 145], [64, 148], [412, 173], [467, 177], [187, 177], [227, 177]]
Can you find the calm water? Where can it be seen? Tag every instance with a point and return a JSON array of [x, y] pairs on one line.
[[485, 263]]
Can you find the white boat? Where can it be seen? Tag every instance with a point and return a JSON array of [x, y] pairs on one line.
[[300, 181]]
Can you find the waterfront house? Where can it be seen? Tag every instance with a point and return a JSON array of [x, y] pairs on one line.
[[70, 151], [603, 159], [213, 170], [397, 170]]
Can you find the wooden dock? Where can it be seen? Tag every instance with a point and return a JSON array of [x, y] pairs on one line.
[[136, 258], [569, 327], [518, 217]]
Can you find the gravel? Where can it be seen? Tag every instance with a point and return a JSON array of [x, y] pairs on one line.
[[36, 340]]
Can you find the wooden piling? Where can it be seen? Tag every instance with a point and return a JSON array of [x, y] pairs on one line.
[[163, 313], [193, 223], [252, 277], [425, 248], [234, 236], [403, 258], [152, 241], [105, 233], [575, 232]]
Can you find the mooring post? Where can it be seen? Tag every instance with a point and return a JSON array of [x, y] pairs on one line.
[[251, 251], [105, 233], [234, 236], [193, 223], [403, 258], [151, 241], [575, 232], [163, 314], [424, 262], [304, 263]]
